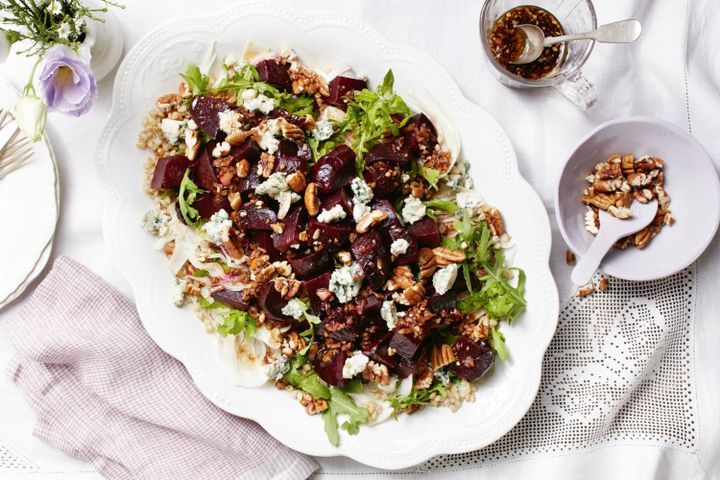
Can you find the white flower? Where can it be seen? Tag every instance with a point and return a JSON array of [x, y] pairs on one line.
[[30, 114], [64, 31], [55, 7]]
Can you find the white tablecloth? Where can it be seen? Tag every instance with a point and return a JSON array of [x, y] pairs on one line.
[[672, 73]]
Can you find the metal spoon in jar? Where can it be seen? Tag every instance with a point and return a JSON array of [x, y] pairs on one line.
[[624, 31]]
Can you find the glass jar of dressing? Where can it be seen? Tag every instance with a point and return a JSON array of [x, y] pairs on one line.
[[559, 65]]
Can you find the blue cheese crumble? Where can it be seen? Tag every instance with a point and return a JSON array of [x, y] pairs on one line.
[[179, 295], [229, 121], [254, 101], [469, 199], [276, 187], [345, 282], [267, 132], [294, 308], [413, 210], [155, 222], [399, 247], [323, 130], [337, 212], [444, 278], [388, 312], [362, 193], [355, 364], [359, 211], [172, 129], [278, 368], [218, 227]]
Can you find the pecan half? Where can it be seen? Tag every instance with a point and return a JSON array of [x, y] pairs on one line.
[[445, 256], [242, 169], [369, 219], [401, 278], [495, 222], [427, 263], [441, 356], [292, 132], [238, 137], [312, 203], [266, 165], [296, 181], [414, 294], [376, 372]]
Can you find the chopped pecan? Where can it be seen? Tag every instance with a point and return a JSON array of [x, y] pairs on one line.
[[287, 287], [312, 405], [495, 222], [323, 294], [242, 169], [238, 137], [376, 372], [235, 200], [296, 181], [569, 257], [266, 165], [414, 294], [369, 219], [292, 343], [401, 278], [441, 356], [445, 256], [585, 290], [292, 132], [424, 380], [427, 263], [603, 284], [628, 162], [312, 203], [609, 171]]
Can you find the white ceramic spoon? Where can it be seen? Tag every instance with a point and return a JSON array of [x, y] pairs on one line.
[[611, 230]]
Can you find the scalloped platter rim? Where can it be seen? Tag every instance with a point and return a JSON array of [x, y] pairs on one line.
[[151, 68]]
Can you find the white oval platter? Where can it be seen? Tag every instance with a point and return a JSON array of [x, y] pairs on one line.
[[320, 38]]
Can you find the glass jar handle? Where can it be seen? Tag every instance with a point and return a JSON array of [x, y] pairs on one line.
[[578, 90]]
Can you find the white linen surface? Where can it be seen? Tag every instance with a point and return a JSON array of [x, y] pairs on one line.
[[672, 73]]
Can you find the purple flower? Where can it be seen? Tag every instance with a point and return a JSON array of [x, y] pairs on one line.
[[67, 82]]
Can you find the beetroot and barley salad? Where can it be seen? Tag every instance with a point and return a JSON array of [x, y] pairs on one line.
[[330, 237]]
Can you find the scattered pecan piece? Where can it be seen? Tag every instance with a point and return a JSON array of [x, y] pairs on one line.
[[441, 356], [312, 203], [242, 169], [401, 278], [445, 256], [376, 372], [369, 219], [296, 181], [569, 257], [266, 165], [495, 221], [427, 263]]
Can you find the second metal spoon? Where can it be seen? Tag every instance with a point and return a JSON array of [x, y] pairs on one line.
[[624, 31]]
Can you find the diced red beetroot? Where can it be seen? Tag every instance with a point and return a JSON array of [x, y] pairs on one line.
[[369, 304], [426, 231], [204, 111], [331, 372], [294, 224], [209, 203], [204, 170], [312, 264], [334, 170], [273, 72], [231, 298], [339, 197], [384, 178], [411, 254], [406, 367], [314, 284], [447, 301], [371, 254], [473, 359], [420, 134], [249, 150], [254, 217], [264, 240], [390, 153], [340, 87], [341, 325], [169, 171], [272, 303], [393, 218], [377, 350], [294, 119], [406, 345], [332, 235], [290, 158], [251, 182]]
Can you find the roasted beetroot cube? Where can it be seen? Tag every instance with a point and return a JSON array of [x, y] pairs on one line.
[[473, 359], [420, 134], [251, 182], [204, 111], [248, 150], [231, 298], [294, 119], [411, 254], [331, 371], [294, 224], [406, 345], [426, 231], [384, 178], [447, 301], [252, 216], [264, 240], [341, 325], [169, 171], [393, 218], [204, 170], [290, 158], [311, 264], [339, 197], [390, 153], [315, 284], [377, 349], [209, 203], [273, 72], [334, 170], [340, 87], [271, 303], [331, 235], [371, 254], [369, 304], [406, 367]]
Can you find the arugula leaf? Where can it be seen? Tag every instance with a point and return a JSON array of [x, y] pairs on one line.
[[368, 118], [446, 206], [205, 303], [186, 197], [314, 386], [351, 428], [417, 397], [432, 175], [353, 386], [196, 80], [236, 322], [466, 276], [201, 273], [331, 427], [497, 342]]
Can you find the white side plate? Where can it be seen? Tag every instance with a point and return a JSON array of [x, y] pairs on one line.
[[325, 39]]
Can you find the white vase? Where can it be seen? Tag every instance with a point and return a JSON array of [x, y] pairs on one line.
[[103, 44]]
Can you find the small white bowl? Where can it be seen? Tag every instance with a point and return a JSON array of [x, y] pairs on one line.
[[690, 180]]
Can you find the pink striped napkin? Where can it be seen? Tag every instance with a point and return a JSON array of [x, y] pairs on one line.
[[104, 392]]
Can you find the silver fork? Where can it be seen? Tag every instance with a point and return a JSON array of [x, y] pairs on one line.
[[15, 151]]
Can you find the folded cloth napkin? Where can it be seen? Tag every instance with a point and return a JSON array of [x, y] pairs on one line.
[[104, 392]]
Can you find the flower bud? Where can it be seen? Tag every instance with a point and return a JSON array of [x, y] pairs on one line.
[[30, 113]]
